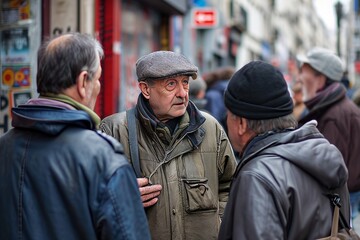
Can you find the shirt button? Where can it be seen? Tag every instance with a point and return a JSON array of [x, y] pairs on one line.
[[173, 211]]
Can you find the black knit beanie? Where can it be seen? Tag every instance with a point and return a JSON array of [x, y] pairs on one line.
[[258, 91]]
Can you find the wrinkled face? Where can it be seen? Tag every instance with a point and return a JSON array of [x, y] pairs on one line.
[[93, 89], [310, 82], [169, 97]]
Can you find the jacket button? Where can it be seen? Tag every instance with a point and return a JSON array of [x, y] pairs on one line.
[[173, 211]]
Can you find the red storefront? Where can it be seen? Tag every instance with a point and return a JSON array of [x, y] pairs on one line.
[[129, 29]]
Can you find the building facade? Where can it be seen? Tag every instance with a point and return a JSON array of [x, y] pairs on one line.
[[20, 31], [211, 33]]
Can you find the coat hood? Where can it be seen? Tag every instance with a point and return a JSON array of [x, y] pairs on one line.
[[49, 120], [307, 149]]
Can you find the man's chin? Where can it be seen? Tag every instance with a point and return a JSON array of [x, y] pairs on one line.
[[179, 111]]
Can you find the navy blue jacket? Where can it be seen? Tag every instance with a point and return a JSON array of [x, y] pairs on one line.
[[61, 179], [215, 100]]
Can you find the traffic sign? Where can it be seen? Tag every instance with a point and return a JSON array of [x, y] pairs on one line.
[[204, 17]]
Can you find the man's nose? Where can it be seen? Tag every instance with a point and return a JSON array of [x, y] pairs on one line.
[[181, 91]]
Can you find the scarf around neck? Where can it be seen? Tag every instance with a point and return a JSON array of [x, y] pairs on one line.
[[66, 99], [326, 97]]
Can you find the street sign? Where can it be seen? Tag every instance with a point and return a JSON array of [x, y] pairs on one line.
[[204, 17]]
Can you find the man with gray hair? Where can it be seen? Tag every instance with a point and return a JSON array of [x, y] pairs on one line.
[[280, 187], [337, 116], [59, 177], [182, 156]]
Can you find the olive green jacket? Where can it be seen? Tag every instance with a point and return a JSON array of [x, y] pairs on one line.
[[194, 166]]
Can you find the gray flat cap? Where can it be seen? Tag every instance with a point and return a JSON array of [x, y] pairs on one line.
[[164, 64], [324, 61]]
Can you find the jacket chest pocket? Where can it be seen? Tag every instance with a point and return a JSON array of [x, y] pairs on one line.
[[197, 196]]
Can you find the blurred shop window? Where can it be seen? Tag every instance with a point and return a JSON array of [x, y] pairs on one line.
[[141, 33]]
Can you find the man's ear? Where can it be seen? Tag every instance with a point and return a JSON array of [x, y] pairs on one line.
[[81, 83], [242, 126], [145, 89]]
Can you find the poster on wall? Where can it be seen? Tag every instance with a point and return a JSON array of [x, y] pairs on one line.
[[20, 35], [13, 11], [20, 97], [15, 47], [15, 76], [15, 58]]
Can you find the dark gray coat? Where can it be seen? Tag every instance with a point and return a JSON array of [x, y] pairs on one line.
[[278, 191]]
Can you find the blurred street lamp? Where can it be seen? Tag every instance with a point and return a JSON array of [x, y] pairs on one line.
[[339, 15]]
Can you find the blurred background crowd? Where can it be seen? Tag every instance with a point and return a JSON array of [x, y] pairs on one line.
[[218, 36]]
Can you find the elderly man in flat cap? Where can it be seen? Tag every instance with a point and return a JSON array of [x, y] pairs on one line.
[[182, 157], [280, 185]]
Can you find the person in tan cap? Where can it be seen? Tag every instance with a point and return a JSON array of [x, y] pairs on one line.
[[182, 156], [337, 116]]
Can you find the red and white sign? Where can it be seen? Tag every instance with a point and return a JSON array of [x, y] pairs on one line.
[[357, 67], [204, 17]]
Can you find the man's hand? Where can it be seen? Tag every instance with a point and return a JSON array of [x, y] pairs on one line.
[[148, 193]]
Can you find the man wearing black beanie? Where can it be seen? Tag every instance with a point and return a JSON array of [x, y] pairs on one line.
[[278, 188]]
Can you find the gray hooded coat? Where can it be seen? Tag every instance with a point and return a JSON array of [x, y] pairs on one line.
[[280, 186]]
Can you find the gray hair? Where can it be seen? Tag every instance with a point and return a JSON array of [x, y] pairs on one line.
[[62, 59], [275, 124]]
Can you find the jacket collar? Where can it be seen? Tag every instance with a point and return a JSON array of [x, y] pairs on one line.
[[323, 100], [261, 143], [320, 159], [50, 120], [66, 99]]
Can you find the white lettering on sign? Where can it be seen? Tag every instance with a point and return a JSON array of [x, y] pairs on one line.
[[204, 17]]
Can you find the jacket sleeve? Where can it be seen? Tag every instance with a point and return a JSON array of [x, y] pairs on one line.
[[253, 211], [112, 125], [121, 214], [116, 126], [227, 166]]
